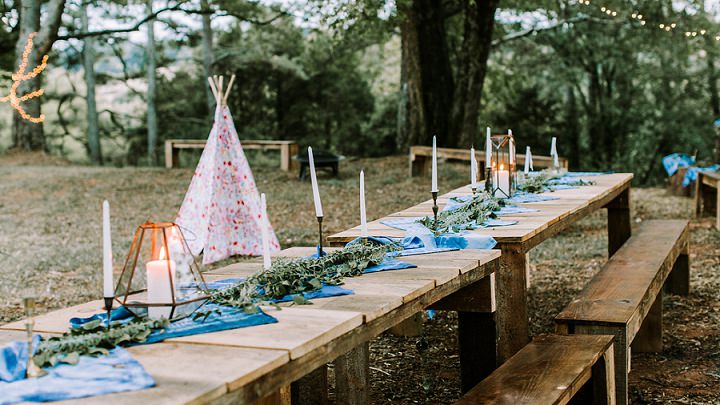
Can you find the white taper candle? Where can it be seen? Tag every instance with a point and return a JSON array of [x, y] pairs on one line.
[[108, 290], [264, 224], [553, 152], [528, 159], [363, 216], [313, 180], [434, 166], [473, 168], [512, 149], [488, 149]]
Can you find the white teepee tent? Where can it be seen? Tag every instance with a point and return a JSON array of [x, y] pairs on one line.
[[222, 214]]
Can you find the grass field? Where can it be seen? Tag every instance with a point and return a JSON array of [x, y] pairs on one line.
[[50, 246]]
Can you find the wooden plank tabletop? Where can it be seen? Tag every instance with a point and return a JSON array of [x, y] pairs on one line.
[[250, 363], [571, 205]]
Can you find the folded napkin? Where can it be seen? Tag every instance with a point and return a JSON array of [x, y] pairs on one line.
[[419, 236], [116, 372]]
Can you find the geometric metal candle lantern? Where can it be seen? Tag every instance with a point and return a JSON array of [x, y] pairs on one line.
[[501, 178], [161, 277]]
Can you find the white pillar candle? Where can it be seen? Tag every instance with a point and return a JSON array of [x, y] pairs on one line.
[[159, 286], [313, 180], [473, 169], [488, 149], [264, 224], [434, 188], [363, 217], [502, 182], [511, 148], [554, 153], [528, 159], [108, 290]]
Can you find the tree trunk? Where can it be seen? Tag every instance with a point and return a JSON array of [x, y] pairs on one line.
[[28, 135], [88, 53], [477, 40], [152, 132], [427, 74], [207, 52]]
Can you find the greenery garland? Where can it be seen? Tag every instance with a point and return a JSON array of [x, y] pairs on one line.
[[465, 217], [286, 276], [545, 181]]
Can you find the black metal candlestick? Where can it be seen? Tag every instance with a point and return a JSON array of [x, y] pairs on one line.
[[320, 231], [488, 180], [108, 308], [435, 207]]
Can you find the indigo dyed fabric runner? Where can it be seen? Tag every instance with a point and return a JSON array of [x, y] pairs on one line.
[[92, 376], [692, 173], [419, 236], [674, 161]]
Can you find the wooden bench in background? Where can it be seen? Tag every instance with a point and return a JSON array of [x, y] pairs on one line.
[[624, 298], [707, 198], [553, 369], [287, 149], [421, 159]]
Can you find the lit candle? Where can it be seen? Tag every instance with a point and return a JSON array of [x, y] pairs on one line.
[[363, 217], [108, 290], [488, 149], [528, 160], [159, 286], [554, 153], [434, 167], [313, 179], [502, 178], [267, 263]]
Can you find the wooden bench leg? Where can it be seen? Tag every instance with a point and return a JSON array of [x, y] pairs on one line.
[[352, 376], [169, 155], [311, 389], [621, 356], [717, 208], [678, 281], [419, 166], [285, 157], [603, 379], [649, 337], [511, 293], [619, 221], [411, 327], [293, 151], [699, 189], [279, 397]]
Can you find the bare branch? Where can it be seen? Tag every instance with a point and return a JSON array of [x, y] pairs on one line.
[[522, 34]]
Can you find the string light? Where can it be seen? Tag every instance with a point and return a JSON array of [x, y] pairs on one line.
[[667, 27], [19, 77]]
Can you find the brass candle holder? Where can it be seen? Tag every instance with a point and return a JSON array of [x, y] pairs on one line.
[[32, 370], [435, 207], [320, 236]]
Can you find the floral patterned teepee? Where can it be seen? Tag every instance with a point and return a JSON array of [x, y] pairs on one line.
[[222, 214]]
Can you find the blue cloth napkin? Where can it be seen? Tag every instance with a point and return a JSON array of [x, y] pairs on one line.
[[692, 173], [419, 236], [116, 372], [522, 197], [674, 161], [457, 202]]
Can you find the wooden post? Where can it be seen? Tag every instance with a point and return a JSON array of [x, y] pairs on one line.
[[511, 292], [311, 389], [285, 157], [418, 165], [352, 372], [649, 337], [478, 345], [621, 356], [678, 281], [619, 221], [717, 206], [169, 154], [603, 379], [411, 327], [292, 152], [699, 189]]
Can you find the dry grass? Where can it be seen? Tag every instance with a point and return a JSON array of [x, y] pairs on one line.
[[50, 246]]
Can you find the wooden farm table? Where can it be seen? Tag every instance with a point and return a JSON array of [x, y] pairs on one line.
[[257, 363], [707, 197], [611, 191]]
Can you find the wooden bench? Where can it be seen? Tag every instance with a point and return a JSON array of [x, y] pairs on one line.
[[707, 198], [624, 298], [287, 149], [552, 369], [421, 159]]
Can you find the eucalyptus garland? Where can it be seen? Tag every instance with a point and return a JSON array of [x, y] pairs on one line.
[[546, 181], [93, 339], [465, 217], [296, 276]]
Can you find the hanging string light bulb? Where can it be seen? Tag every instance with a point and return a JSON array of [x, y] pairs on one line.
[[21, 76]]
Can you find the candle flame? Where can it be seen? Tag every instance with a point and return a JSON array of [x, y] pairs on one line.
[[502, 167], [163, 254]]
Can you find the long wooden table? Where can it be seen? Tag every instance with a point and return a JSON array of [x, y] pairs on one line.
[[253, 364], [707, 197], [611, 191]]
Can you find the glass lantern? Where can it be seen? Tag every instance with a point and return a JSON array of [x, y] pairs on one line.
[[501, 178], [161, 277]]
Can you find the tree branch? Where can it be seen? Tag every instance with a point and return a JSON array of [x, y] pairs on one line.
[[522, 34], [49, 32], [135, 27]]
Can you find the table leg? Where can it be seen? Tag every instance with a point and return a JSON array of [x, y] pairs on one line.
[[285, 157], [169, 155], [511, 295], [717, 206], [699, 196], [352, 372], [619, 228], [311, 389]]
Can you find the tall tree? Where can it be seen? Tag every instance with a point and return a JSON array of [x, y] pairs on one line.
[[27, 135], [152, 128], [207, 52], [88, 56]]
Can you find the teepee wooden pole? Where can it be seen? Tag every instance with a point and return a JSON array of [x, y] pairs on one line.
[[213, 88], [229, 87], [220, 90]]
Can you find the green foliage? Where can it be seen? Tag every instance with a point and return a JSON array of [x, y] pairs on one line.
[[93, 339], [467, 216], [546, 181]]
